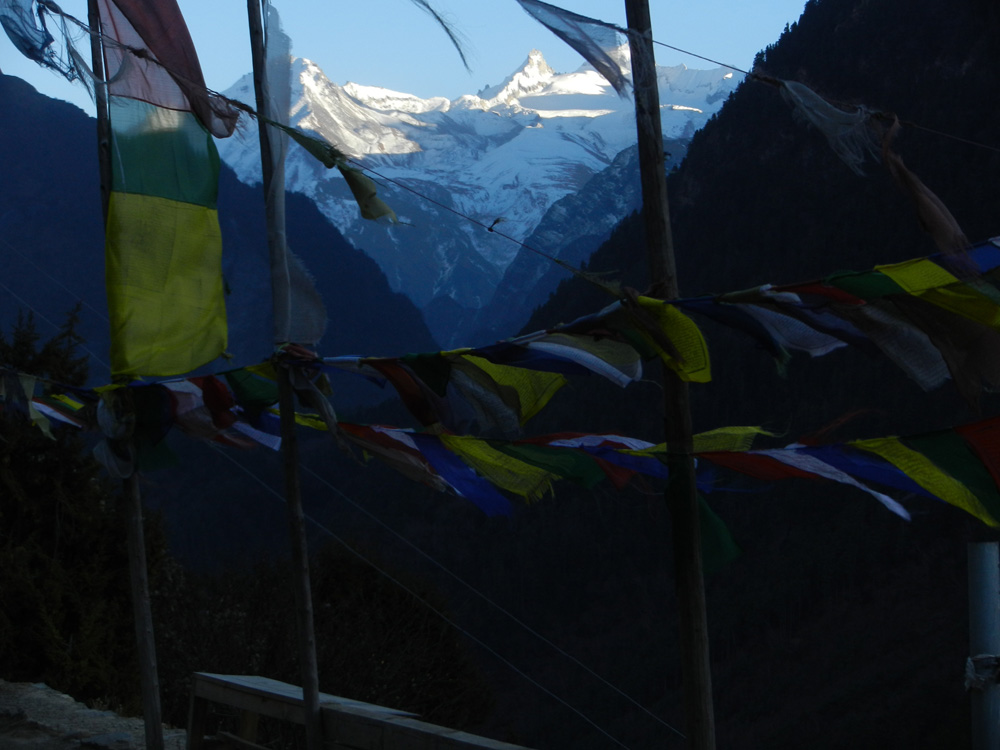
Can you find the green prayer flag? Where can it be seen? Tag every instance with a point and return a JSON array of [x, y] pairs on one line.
[[718, 548], [250, 390], [865, 284], [567, 463]]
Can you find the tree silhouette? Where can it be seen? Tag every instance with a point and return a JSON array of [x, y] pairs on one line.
[[65, 616]]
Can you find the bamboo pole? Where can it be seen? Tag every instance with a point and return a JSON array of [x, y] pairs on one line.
[[138, 570], [681, 494], [289, 445]]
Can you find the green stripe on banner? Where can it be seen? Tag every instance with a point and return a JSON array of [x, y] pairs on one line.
[[162, 152], [951, 453], [718, 548], [865, 284], [251, 390], [563, 462]]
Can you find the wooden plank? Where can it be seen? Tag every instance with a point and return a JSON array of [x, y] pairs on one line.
[[346, 723], [347, 729], [356, 728], [276, 707], [247, 691]]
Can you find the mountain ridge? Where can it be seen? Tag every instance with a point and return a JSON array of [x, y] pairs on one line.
[[451, 168]]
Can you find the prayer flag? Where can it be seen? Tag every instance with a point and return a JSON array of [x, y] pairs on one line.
[[163, 256]]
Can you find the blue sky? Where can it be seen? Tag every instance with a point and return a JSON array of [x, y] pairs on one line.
[[391, 43]]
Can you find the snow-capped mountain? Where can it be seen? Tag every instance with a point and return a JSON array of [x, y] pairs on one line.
[[508, 153]]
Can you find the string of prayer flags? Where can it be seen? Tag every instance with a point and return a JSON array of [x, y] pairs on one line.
[[61, 408], [933, 478], [163, 243], [957, 466], [941, 466], [497, 388], [937, 317]]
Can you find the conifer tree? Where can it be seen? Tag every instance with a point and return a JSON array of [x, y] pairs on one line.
[[65, 617]]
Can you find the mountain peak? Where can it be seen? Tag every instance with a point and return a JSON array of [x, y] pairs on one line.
[[536, 62], [531, 77]]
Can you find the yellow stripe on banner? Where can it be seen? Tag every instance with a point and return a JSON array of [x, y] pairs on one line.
[[931, 282], [304, 420], [71, 403], [925, 473], [264, 370], [727, 439], [719, 439], [917, 275], [686, 336], [163, 270], [506, 472]]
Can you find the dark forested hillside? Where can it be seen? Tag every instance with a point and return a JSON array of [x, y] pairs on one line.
[[839, 624], [761, 198]]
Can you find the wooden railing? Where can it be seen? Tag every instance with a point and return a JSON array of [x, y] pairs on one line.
[[347, 724]]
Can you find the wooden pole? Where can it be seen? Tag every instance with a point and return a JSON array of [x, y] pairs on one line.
[[289, 444], [300, 565], [681, 494], [984, 641], [143, 615], [138, 571], [101, 99]]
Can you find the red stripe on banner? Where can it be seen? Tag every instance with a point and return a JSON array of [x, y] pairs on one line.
[[831, 293], [757, 466], [619, 476], [984, 440], [409, 390], [379, 438]]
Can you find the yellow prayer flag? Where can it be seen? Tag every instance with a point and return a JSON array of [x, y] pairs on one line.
[[503, 470], [727, 439], [532, 389], [685, 335], [917, 275]]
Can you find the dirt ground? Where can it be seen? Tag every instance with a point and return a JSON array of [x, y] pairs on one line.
[[36, 717]]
